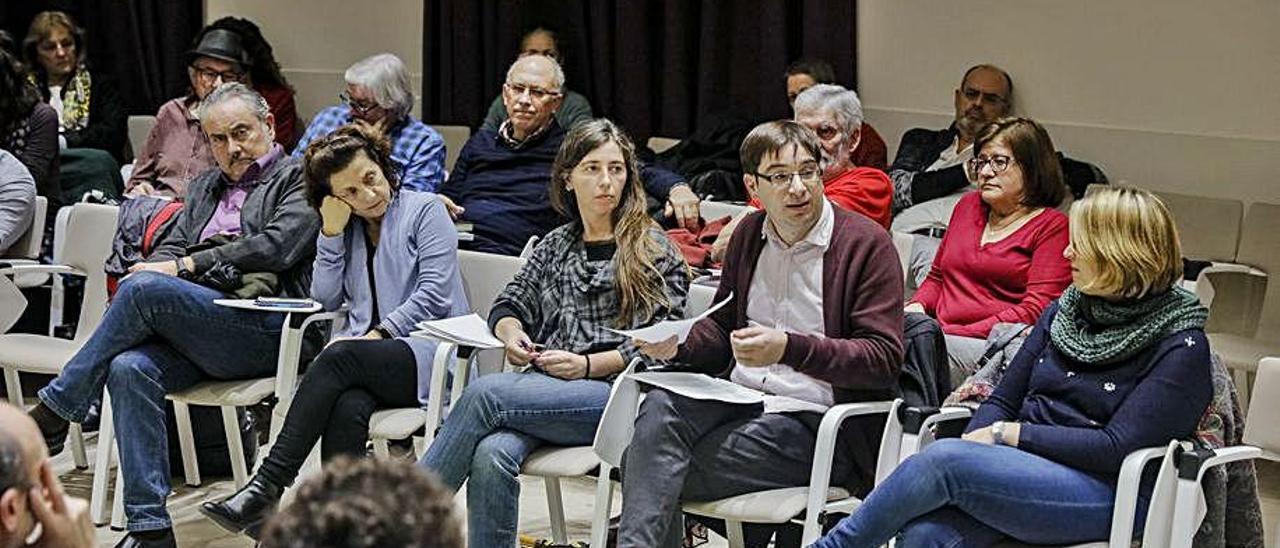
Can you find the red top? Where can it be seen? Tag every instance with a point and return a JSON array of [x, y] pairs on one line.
[[288, 127], [862, 190], [972, 287]]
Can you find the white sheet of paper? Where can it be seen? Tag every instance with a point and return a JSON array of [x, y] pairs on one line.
[[700, 387], [663, 330], [469, 330]]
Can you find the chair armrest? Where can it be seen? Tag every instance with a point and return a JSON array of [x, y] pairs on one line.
[[618, 420], [1130, 480], [1189, 500], [823, 454], [10, 268]]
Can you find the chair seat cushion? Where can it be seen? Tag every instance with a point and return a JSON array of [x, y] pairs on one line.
[[396, 424], [36, 353], [773, 506], [561, 462], [227, 393], [1241, 352]]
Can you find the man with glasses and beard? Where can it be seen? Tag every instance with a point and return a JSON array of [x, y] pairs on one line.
[[379, 96], [835, 115]]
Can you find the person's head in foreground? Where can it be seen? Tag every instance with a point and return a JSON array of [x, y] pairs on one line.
[[1015, 167], [30, 494], [595, 181], [835, 115], [351, 168], [240, 127], [782, 167], [532, 94], [367, 503], [1124, 245], [378, 90]]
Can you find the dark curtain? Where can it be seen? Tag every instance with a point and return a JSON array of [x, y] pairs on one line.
[[656, 66], [139, 43]]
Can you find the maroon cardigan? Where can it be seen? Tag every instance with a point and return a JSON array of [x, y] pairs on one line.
[[862, 352]]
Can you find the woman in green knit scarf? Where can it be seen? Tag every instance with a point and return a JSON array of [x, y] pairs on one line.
[[1119, 363]]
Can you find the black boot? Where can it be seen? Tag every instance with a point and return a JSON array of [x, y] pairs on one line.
[[246, 509], [52, 427], [159, 538]]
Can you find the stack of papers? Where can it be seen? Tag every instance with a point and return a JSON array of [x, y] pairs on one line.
[[662, 331], [700, 387], [470, 330]]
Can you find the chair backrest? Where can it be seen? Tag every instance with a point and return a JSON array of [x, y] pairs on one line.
[[484, 275], [139, 128], [1260, 248], [90, 230], [902, 242], [699, 300], [454, 137], [1209, 227], [28, 245], [660, 144], [715, 210], [1264, 404]]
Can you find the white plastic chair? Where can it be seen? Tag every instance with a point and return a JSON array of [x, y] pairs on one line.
[[1261, 441], [715, 210], [660, 144], [27, 246]]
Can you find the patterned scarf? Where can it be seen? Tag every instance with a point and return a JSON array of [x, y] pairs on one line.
[[75, 99], [1093, 330]]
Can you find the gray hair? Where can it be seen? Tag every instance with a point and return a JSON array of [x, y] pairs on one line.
[[386, 77], [557, 73], [236, 90], [841, 102]]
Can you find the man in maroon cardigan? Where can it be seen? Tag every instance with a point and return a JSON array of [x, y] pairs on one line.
[[816, 321]]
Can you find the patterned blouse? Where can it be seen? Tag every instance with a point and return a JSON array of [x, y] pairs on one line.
[[565, 296]]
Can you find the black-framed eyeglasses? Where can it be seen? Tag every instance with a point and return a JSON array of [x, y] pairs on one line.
[[535, 93], [210, 75], [357, 106], [998, 163], [782, 179], [989, 99]]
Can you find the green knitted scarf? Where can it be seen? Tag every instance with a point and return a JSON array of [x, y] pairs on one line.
[[1093, 330]]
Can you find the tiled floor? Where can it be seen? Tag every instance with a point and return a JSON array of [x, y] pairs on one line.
[[195, 531]]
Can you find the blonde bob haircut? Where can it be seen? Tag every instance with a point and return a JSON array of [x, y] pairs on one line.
[[1129, 237]]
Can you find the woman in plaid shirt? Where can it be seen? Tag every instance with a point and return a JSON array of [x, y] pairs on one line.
[[609, 266]]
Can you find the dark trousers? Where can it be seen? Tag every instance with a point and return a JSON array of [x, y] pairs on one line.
[[696, 450], [345, 384]]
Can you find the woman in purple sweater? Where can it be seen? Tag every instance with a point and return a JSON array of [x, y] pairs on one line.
[[1119, 363]]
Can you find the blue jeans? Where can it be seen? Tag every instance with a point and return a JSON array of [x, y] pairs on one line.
[[961, 493], [497, 422], [160, 334]]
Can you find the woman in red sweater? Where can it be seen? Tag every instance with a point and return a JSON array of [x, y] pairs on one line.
[[1001, 259]]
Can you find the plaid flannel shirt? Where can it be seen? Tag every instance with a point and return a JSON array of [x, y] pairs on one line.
[[415, 148], [565, 301]]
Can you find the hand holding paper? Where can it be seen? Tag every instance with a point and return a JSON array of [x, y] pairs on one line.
[[661, 331], [469, 330]]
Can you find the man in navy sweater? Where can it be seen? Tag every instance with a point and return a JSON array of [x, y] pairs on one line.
[[500, 181]]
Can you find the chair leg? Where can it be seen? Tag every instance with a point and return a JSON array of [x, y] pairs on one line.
[[117, 502], [555, 510], [75, 434], [380, 448], [734, 530], [235, 446], [98, 511], [13, 386], [603, 507], [419, 447], [187, 442]]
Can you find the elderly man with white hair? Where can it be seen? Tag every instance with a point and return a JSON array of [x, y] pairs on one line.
[[500, 183], [380, 96]]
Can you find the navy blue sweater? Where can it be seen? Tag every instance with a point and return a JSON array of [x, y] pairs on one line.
[[1088, 416], [505, 190]]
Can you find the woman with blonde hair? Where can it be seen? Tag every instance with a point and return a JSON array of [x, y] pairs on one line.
[[610, 266], [1118, 363]]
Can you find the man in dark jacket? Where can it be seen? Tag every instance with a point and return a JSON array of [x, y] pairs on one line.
[[816, 320], [163, 333], [500, 182]]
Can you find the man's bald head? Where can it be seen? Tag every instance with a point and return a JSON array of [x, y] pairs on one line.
[[22, 452], [532, 93]]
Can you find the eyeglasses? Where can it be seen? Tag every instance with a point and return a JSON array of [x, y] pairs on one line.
[[998, 163], [210, 75], [826, 131], [360, 107], [989, 99], [782, 179], [537, 94]]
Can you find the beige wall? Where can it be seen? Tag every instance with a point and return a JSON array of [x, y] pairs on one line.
[[1178, 95], [315, 40]]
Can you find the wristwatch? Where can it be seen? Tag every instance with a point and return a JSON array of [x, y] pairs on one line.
[[182, 270], [997, 432]]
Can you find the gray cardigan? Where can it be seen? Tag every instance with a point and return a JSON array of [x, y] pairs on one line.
[[17, 200], [277, 227]]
